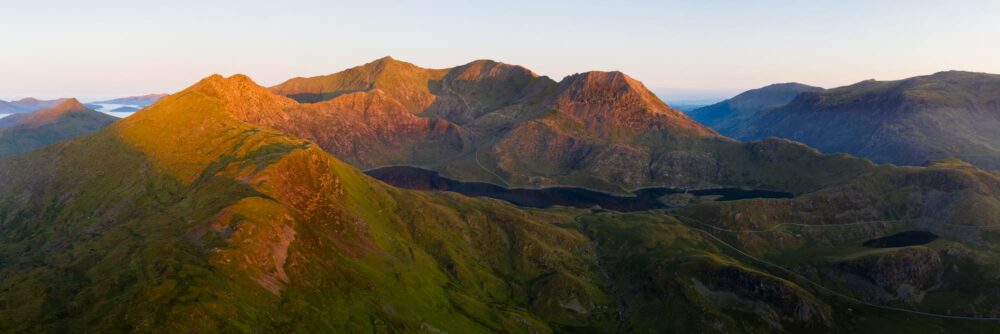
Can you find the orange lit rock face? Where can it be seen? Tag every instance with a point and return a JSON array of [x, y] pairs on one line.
[[611, 101], [492, 118]]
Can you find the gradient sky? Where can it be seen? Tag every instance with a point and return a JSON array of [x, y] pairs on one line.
[[680, 49]]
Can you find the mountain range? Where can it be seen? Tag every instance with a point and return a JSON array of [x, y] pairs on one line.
[[27, 104], [500, 123], [905, 122], [244, 218], [140, 101]]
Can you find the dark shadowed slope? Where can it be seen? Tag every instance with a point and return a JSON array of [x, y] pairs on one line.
[[947, 114], [29, 131], [732, 114]]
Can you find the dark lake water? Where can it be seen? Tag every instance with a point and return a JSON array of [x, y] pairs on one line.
[[903, 239], [643, 199]]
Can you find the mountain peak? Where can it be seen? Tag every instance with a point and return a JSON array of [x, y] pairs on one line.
[[599, 76], [599, 85], [770, 95], [28, 100], [485, 68], [69, 105], [604, 83], [610, 101], [788, 86], [385, 63], [386, 73], [218, 86], [238, 95], [64, 108]]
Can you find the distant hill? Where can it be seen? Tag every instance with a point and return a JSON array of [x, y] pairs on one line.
[[730, 115], [686, 107], [141, 101], [125, 109], [27, 105], [28, 131], [908, 122]]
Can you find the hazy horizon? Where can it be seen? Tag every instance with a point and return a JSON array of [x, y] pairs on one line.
[[682, 51]]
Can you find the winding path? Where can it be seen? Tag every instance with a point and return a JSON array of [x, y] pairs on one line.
[[468, 108]]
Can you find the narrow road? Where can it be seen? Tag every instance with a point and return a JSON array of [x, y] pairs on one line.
[[502, 180]]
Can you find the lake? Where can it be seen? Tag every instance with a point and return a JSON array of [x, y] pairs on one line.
[[903, 239], [642, 199]]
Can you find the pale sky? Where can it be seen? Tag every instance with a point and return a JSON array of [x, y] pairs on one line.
[[680, 49]]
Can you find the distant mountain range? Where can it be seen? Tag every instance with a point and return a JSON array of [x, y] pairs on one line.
[[27, 105], [733, 114], [140, 101], [906, 122], [28, 131]]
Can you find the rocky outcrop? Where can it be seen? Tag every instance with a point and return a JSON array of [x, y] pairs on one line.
[[904, 275], [771, 299], [612, 105]]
